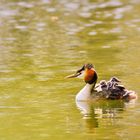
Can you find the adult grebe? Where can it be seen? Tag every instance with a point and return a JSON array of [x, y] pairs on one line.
[[104, 90]]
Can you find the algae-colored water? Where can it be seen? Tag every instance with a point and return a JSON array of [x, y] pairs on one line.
[[41, 42]]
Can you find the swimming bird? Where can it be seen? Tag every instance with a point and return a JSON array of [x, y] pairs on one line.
[[104, 90]]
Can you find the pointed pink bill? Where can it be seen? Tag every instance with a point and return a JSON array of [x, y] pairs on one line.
[[73, 75]]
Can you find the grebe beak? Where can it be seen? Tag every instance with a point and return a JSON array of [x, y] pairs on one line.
[[79, 73], [73, 75]]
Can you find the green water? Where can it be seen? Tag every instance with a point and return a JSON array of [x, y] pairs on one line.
[[41, 42]]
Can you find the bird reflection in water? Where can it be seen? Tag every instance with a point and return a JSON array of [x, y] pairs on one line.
[[92, 112], [88, 114]]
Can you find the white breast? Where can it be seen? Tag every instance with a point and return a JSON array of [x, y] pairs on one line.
[[85, 93]]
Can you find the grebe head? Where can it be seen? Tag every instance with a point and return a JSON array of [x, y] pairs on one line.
[[114, 79], [87, 72], [103, 82]]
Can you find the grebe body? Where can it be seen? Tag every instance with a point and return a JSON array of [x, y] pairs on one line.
[[104, 90]]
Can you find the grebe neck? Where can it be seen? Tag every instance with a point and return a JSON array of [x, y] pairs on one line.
[[85, 93]]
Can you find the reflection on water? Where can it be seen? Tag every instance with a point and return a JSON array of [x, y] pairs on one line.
[[92, 112]]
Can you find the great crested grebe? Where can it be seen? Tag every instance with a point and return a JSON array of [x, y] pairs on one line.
[[104, 90]]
